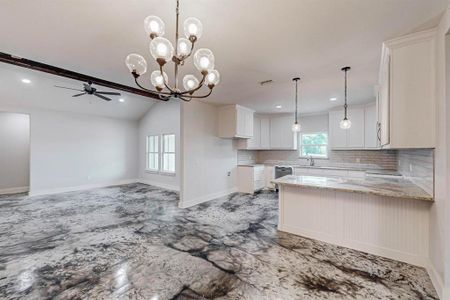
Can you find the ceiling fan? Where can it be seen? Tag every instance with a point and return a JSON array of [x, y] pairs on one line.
[[89, 90]]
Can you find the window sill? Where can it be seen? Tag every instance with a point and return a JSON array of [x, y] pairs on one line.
[[161, 173]]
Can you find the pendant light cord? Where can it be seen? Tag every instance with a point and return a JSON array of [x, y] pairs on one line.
[[345, 69], [296, 98]]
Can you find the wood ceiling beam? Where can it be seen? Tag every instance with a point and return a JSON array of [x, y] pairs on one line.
[[41, 67]]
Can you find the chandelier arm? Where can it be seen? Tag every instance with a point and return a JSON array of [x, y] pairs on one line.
[[148, 90], [165, 83], [185, 99], [197, 88], [200, 97]]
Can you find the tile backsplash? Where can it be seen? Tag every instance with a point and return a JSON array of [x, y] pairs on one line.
[[370, 159], [418, 166]]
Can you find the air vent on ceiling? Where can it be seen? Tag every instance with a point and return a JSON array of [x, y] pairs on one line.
[[265, 82]]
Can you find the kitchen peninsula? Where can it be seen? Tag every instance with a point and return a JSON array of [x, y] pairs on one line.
[[383, 216]]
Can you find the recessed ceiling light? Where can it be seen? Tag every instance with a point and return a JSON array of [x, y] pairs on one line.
[[121, 100], [278, 106], [26, 80], [333, 99]]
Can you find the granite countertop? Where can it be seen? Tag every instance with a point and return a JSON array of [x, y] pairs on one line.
[[390, 187], [367, 170]]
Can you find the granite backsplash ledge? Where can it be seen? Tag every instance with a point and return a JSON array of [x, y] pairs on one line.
[[370, 159]]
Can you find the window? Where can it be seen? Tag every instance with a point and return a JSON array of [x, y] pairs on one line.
[[168, 153], [314, 144], [153, 153]]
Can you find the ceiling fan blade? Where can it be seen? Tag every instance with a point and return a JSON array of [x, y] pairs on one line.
[[103, 97], [109, 93], [67, 88], [78, 95]]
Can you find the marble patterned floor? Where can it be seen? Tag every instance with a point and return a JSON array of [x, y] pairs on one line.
[[132, 242]]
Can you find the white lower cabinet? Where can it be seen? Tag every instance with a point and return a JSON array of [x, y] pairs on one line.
[[250, 178]]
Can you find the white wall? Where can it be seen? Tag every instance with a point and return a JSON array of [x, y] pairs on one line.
[[163, 117], [206, 159], [440, 214], [14, 152], [72, 151]]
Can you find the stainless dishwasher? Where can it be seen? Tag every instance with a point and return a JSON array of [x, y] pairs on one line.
[[281, 171]]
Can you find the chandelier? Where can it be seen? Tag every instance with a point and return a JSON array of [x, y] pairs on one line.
[[162, 50]]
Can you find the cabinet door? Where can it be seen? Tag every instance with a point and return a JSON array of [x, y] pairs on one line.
[[370, 126], [249, 123], [255, 141], [355, 134], [265, 133], [383, 103], [240, 122], [281, 135], [337, 136]]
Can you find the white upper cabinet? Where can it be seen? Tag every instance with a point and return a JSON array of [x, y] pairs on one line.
[[271, 132], [407, 100], [235, 121], [370, 127], [362, 133], [281, 135]]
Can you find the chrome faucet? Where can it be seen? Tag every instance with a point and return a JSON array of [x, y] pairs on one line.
[[311, 161]]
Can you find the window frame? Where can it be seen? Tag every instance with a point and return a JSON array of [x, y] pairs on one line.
[[327, 145], [148, 152], [163, 152]]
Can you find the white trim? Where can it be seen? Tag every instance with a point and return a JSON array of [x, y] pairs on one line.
[[80, 187], [159, 184], [14, 190], [206, 198], [372, 249], [436, 280]]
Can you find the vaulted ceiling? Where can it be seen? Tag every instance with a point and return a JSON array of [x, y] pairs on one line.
[[253, 41]]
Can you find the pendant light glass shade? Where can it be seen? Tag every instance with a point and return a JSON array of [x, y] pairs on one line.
[[161, 48], [154, 26], [193, 28], [213, 78], [136, 63], [345, 124], [204, 60], [183, 47], [296, 127], [190, 82], [158, 79]]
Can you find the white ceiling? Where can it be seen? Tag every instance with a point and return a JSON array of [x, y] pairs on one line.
[[253, 40], [40, 93]]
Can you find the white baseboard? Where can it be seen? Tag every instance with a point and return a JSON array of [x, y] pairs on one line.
[[80, 187], [14, 190], [437, 282], [368, 248], [158, 184], [206, 198]]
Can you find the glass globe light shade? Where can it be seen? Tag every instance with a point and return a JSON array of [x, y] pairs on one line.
[[136, 63], [183, 47], [296, 127], [204, 60], [345, 123], [213, 78], [193, 28], [153, 25], [158, 80], [190, 82], [161, 48]]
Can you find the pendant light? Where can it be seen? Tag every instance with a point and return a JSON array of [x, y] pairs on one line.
[[345, 123], [296, 125]]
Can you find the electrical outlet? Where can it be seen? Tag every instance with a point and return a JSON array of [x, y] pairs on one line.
[[228, 174], [358, 160], [410, 168]]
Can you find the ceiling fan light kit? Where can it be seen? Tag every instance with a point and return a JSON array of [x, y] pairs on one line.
[[162, 51]]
